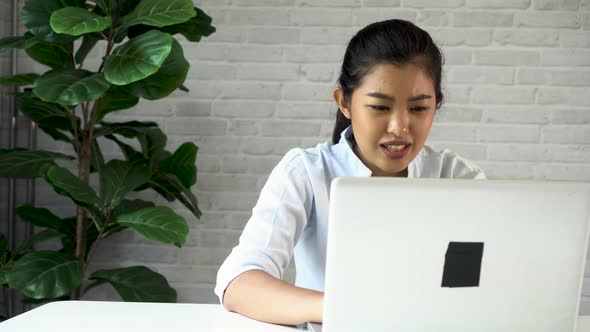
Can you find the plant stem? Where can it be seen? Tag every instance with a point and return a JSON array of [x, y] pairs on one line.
[[75, 127], [84, 156], [110, 45], [85, 114], [81, 214], [93, 116], [98, 238]]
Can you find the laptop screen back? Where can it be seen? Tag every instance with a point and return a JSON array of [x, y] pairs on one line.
[[455, 255]]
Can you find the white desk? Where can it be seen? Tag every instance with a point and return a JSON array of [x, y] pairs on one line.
[[75, 316]]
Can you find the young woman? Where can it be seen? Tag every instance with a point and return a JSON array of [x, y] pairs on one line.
[[389, 91]]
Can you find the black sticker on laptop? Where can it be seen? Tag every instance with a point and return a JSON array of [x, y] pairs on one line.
[[462, 264]]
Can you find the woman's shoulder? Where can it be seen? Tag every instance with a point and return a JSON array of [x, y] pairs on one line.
[[324, 150], [303, 157], [449, 164]]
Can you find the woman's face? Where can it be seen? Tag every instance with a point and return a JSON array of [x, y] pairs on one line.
[[391, 114]]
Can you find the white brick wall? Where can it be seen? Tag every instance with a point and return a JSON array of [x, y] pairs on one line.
[[517, 82]]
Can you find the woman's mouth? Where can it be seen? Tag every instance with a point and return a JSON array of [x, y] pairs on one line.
[[395, 151]]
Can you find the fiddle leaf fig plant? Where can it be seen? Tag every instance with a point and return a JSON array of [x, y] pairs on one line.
[[71, 103]]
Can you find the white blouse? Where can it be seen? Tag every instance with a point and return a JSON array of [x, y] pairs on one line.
[[291, 215]]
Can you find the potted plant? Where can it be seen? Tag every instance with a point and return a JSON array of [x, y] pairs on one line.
[[71, 103]]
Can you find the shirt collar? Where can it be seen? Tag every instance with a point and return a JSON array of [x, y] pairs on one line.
[[352, 160], [360, 169]]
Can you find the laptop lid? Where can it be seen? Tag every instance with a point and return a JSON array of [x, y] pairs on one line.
[[455, 255]]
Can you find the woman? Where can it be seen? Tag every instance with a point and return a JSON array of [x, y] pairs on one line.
[[389, 91]]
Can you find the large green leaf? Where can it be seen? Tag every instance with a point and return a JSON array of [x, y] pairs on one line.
[[88, 43], [107, 5], [11, 42], [131, 155], [160, 13], [40, 111], [137, 58], [126, 6], [70, 87], [129, 206], [116, 9], [4, 269], [151, 139], [42, 236], [96, 159], [104, 5], [46, 274], [170, 187], [42, 217], [26, 164], [36, 15], [56, 56], [115, 99], [168, 78], [50, 117], [67, 184], [130, 129], [193, 29], [137, 284], [8, 43], [77, 21], [117, 179], [56, 134], [121, 35], [182, 164], [53, 84], [158, 223], [22, 79], [69, 241]]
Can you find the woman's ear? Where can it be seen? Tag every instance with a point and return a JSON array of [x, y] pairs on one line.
[[341, 102]]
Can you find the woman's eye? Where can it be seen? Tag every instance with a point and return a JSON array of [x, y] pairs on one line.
[[418, 108], [379, 107]]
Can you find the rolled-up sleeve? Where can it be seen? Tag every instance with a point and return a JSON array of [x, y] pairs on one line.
[[457, 167], [277, 221], [474, 173]]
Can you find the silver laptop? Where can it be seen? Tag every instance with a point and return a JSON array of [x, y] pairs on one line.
[[455, 255]]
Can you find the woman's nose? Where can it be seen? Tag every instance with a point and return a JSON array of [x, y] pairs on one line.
[[398, 124]]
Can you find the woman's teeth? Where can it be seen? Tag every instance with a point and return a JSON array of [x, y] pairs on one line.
[[395, 147]]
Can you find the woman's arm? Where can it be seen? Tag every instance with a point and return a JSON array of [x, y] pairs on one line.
[[260, 296]]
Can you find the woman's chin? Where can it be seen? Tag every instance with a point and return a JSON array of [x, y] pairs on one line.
[[393, 171]]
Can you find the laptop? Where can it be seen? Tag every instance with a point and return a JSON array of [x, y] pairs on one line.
[[454, 255]]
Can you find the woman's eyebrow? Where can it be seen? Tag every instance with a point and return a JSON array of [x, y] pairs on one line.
[[420, 97], [381, 95]]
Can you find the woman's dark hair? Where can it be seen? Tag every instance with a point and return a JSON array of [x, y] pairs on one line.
[[396, 42]]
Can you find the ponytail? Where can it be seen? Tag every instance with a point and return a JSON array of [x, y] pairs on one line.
[[342, 123]]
